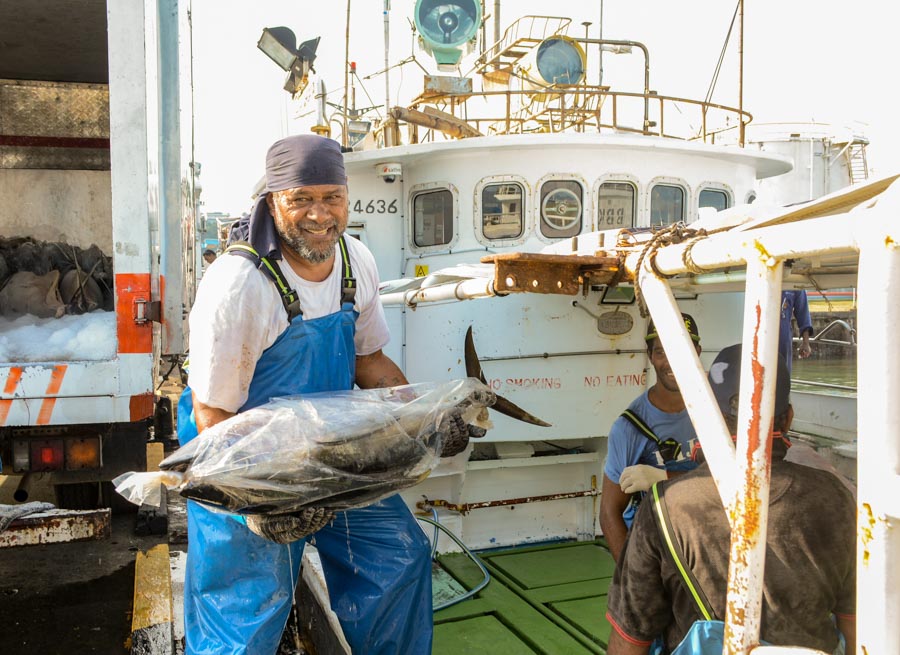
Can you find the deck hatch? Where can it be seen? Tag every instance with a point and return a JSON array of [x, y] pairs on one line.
[[548, 599]]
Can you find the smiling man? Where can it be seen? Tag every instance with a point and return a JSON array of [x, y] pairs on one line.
[[651, 439], [291, 308]]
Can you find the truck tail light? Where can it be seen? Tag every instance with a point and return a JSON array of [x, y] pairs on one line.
[[82, 454], [47, 455]]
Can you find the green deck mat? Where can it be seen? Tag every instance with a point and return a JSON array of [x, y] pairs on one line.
[[549, 600]]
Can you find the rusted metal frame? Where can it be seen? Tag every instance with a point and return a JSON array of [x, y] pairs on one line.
[[880, 418], [749, 509], [57, 526], [465, 508], [544, 273], [718, 447], [878, 435]]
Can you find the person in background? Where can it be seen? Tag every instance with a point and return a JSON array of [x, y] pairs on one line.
[[209, 257], [652, 438], [794, 305], [292, 308], [810, 570]]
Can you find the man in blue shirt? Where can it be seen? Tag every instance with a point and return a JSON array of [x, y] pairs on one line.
[[653, 437], [794, 304]]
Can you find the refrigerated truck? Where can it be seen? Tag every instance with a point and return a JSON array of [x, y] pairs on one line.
[[95, 148]]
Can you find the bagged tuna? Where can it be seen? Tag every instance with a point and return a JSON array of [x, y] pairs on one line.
[[338, 450]]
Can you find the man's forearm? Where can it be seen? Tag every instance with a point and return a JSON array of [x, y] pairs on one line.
[[847, 626], [615, 533], [612, 504], [377, 371], [618, 645], [207, 416]]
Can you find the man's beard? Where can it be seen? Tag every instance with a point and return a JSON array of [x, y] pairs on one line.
[[292, 236]]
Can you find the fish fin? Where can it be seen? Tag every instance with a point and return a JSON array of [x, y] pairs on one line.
[[502, 405]]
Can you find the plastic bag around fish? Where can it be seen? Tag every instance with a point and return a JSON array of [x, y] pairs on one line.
[[338, 450]]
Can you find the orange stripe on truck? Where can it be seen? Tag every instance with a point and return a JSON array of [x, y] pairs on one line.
[[133, 337], [141, 406], [12, 381], [56, 379]]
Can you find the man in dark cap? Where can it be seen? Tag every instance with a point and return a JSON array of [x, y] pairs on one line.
[[293, 308], [209, 256], [810, 570], [651, 439]]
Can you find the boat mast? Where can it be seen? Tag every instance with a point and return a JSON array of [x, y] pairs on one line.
[[600, 48], [741, 74], [387, 70], [344, 140]]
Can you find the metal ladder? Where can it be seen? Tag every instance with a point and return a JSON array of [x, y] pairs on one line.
[[856, 161]]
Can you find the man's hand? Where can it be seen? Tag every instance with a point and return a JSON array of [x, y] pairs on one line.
[[457, 434], [640, 477], [285, 528], [804, 350]]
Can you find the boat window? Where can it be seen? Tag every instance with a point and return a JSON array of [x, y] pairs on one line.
[[715, 198], [433, 211], [750, 198], [502, 212], [666, 205], [616, 205], [561, 205]]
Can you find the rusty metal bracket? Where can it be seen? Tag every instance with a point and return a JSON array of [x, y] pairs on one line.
[[57, 526], [146, 311], [568, 275]]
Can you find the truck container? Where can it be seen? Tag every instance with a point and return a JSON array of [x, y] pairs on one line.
[[95, 157]]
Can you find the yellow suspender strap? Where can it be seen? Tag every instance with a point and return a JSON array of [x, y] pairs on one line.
[[669, 538]]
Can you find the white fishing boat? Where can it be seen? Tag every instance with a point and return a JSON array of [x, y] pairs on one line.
[[523, 158], [532, 206]]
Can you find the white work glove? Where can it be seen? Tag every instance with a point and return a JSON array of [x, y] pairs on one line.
[[285, 528], [640, 477]]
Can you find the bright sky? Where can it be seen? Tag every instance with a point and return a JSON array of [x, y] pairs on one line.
[[804, 60]]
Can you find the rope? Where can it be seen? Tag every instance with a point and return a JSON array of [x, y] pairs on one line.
[[667, 236], [662, 237]]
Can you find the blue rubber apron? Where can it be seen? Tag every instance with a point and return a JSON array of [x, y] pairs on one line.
[[376, 560]]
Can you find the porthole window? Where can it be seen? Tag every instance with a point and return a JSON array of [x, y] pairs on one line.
[[433, 218], [561, 208], [502, 210], [715, 198], [615, 205], [666, 205], [751, 197]]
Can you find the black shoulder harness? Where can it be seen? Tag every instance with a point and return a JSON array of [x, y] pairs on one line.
[[669, 448], [289, 297]]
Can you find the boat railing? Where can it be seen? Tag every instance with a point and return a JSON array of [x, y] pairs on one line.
[[837, 323], [585, 108], [517, 39], [823, 385]]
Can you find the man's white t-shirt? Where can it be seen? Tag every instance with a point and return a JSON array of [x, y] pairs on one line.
[[238, 313]]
